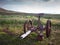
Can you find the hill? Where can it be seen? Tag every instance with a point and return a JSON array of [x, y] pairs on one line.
[[9, 12]]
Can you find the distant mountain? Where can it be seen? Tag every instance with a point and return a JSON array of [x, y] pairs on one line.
[[2, 10], [9, 12]]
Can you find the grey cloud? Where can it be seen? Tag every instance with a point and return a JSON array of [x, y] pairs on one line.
[[27, 2]]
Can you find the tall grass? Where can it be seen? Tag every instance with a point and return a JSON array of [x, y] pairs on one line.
[[15, 25]]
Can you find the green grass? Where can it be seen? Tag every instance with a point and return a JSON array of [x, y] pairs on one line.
[[15, 25]]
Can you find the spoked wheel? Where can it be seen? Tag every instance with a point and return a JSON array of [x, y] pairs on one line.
[[48, 28], [27, 25]]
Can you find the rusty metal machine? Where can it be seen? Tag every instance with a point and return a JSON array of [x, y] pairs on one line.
[[40, 27]]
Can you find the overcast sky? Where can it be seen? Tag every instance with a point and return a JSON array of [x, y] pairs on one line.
[[32, 6]]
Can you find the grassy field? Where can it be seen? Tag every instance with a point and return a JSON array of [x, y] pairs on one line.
[[15, 26]]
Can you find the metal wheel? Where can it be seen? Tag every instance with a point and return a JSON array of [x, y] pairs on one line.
[[48, 28]]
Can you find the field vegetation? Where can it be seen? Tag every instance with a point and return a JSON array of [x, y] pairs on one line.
[[14, 23]]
